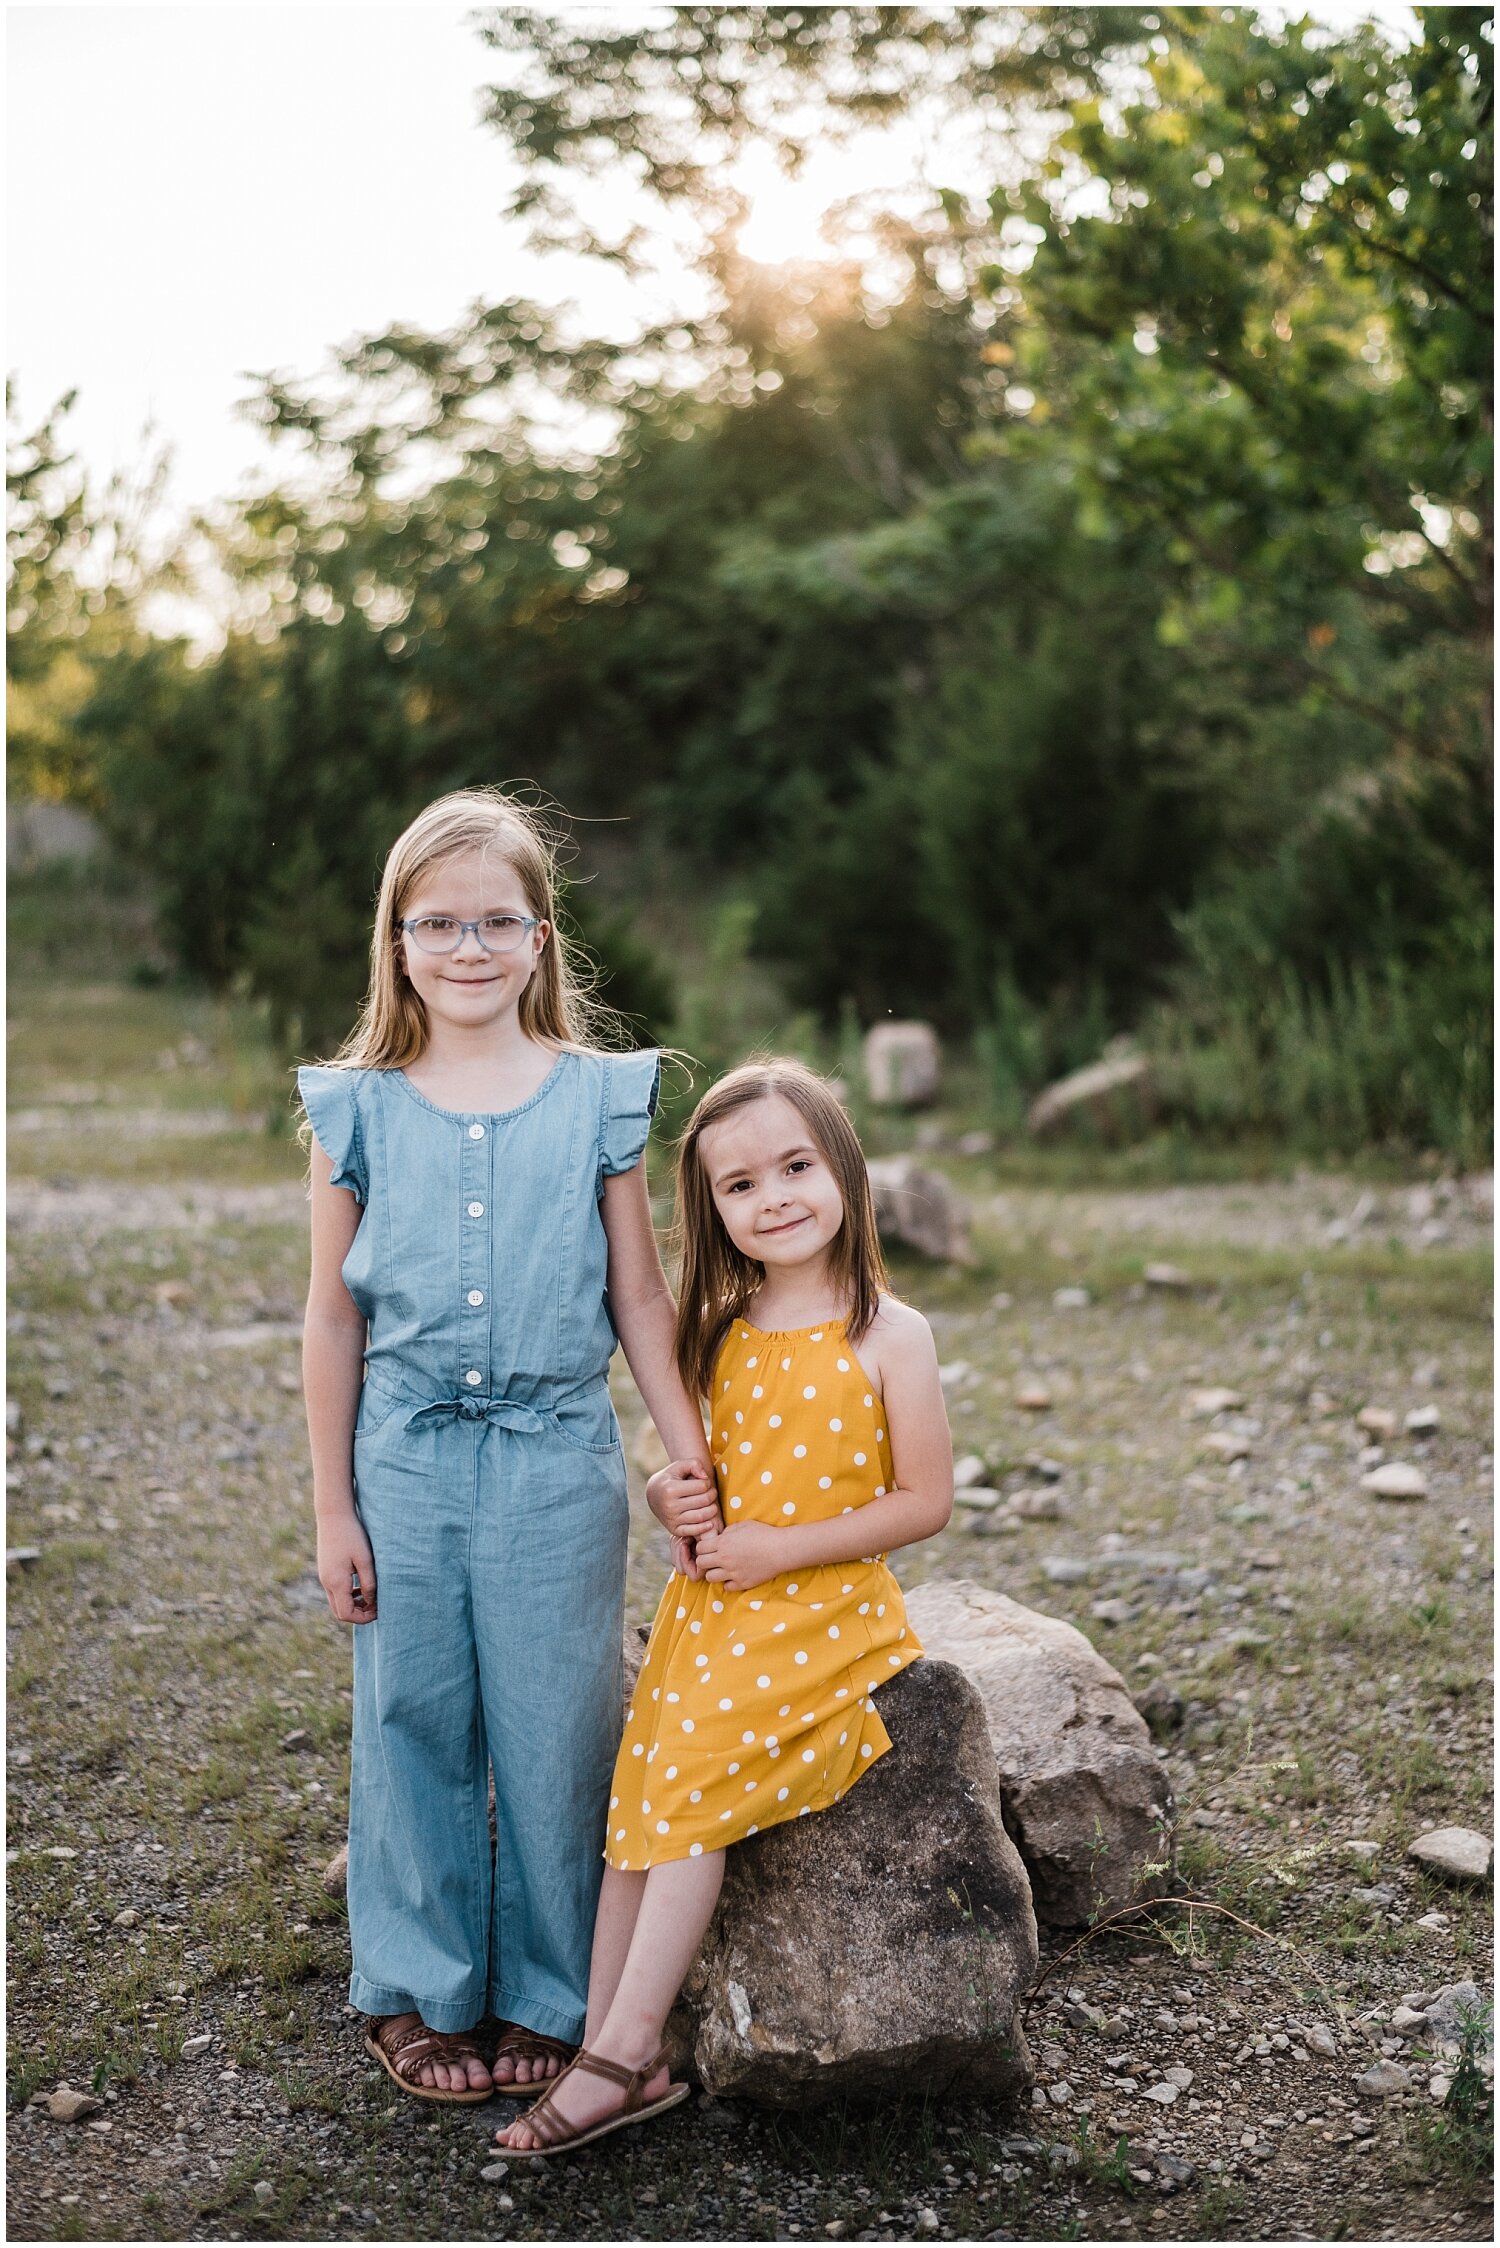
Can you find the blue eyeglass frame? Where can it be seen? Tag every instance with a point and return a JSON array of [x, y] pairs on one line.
[[528, 922]]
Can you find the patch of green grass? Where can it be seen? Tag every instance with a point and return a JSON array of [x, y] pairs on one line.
[[1218, 2211]]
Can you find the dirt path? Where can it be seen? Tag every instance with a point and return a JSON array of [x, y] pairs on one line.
[[179, 1711]]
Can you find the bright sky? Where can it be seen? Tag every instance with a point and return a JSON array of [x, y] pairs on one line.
[[197, 192]]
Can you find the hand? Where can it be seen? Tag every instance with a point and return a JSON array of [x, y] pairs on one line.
[[684, 1498], [745, 1554], [685, 1560], [346, 1567]]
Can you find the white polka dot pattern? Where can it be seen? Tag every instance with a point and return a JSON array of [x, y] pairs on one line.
[[799, 1410]]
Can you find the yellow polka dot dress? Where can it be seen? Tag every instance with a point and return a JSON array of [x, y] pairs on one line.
[[754, 1707]]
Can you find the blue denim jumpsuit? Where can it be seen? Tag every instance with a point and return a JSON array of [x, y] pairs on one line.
[[490, 1480]]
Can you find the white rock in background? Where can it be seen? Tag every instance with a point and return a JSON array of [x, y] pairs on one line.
[[903, 1064], [1397, 1479], [920, 1209], [968, 1470], [1071, 1299], [1167, 1276], [1376, 1421], [1423, 1420], [1205, 1403], [1226, 1446], [978, 1498], [1458, 1852], [1387, 2080], [1113, 1096], [1084, 1794]]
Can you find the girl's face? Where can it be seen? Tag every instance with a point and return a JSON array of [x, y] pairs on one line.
[[779, 1201], [470, 988]]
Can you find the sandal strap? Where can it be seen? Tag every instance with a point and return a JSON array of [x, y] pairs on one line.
[[522, 2044], [407, 2049], [557, 2126]]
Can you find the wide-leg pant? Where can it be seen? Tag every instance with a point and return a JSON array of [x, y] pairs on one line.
[[500, 1572]]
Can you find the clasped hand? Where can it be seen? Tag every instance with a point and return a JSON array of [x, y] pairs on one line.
[[684, 1498]]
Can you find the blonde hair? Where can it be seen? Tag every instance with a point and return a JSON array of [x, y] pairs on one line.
[[715, 1279], [558, 1006]]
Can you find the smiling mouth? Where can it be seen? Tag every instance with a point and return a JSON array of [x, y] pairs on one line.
[[790, 1227]]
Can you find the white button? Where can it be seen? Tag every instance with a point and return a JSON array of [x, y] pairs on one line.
[[476, 1209], [476, 1295], [472, 1378], [476, 1131]]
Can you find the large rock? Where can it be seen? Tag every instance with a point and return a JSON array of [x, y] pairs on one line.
[[903, 1064], [1111, 1098], [920, 1209], [883, 1945], [1084, 1794]]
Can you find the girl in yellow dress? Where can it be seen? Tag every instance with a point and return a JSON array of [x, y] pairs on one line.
[[781, 1622]]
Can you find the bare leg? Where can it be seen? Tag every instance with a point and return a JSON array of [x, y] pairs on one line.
[[614, 1924], [676, 1903]]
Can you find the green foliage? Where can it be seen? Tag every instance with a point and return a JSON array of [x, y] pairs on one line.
[[1081, 629]]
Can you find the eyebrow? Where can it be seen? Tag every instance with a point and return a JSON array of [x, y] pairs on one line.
[[740, 1169]]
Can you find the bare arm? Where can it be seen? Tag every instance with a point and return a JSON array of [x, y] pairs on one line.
[[899, 1351], [684, 1499], [333, 1346], [645, 1316]]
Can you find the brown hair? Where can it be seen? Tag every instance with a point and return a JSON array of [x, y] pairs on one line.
[[557, 1007], [715, 1279]]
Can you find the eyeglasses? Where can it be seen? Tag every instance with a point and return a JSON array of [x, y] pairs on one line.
[[496, 932]]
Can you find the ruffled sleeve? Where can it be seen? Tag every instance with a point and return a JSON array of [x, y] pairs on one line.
[[631, 1085], [328, 1097]]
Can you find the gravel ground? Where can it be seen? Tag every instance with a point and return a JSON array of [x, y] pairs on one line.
[[179, 1716]]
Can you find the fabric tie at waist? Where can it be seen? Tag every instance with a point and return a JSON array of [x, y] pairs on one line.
[[499, 1410]]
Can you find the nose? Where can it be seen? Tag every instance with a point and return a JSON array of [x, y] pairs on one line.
[[470, 948]]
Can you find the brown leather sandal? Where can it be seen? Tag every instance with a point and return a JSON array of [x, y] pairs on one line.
[[632, 2111], [517, 2043], [401, 2053]]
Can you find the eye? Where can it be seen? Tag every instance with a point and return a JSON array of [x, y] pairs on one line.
[[441, 923], [500, 924], [800, 1163]]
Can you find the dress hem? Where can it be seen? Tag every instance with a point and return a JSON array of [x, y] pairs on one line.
[[781, 1818]]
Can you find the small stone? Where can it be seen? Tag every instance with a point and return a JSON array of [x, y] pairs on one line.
[[193, 2046], [1181, 2077], [1457, 1852], [1434, 1922], [1377, 1422], [298, 1737], [1113, 1612], [1387, 2080], [1449, 2008], [1059, 2094], [968, 1471], [1377, 1895], [1397, 1479], [1204, 1403], [927, 2220], [1167, 1276], [22, 1557], [1423, 1420], [1033, 1398], [1037, 1506], [67, 2106], [493, 2172], [954, 1373], [1071, 1299], [1363, 1850], [1038, 1463], [837, 2229], [1163, 2094], [1406, 2021], [125, 1919], [1175, 2169], [263, 2190], [1224, 1445], [335, 1875], [977, 1498], [1438, 2085], [1321, 2040], [1062, 1569]]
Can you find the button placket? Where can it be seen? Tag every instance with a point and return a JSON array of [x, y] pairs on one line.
[[475, 1199]]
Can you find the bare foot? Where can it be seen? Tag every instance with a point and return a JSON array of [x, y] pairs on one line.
[[524, 2068], [439, 2075], [585, 2099]]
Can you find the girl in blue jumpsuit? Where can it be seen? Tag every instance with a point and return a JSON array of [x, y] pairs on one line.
[[473, 1256]]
